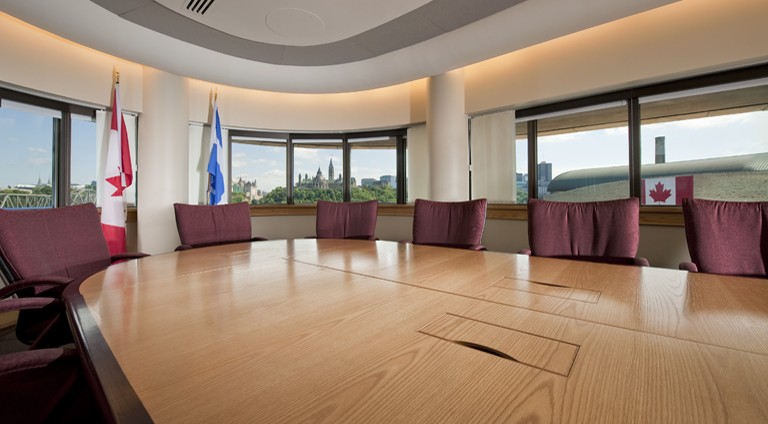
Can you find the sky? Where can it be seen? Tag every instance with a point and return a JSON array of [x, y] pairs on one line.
[[700, 138], [26, 152]]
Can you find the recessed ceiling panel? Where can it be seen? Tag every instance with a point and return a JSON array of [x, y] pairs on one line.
[[253, 20], [254, 30]]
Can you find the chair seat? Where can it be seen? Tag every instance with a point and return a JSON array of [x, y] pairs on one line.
[[449, 224], [346, 220], [726, 237], [605, 231], [211, 225]]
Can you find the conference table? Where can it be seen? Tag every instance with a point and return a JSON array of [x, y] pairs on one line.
[[321, 330]]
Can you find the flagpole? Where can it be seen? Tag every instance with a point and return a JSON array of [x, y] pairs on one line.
[[213, 118]]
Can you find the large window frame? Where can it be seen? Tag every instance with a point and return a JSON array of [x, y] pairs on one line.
[[62, 144], [530, 116], [297, 139]]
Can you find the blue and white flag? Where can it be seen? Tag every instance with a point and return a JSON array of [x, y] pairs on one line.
[[215, 176]]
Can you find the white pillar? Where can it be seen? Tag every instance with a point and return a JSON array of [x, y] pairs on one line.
[[447, 135], [163, 171]]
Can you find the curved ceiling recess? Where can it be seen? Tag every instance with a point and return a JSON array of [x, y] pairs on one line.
[[212, 29], [315, 46]]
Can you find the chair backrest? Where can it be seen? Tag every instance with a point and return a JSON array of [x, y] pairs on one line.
[[607, 229], [206, 225], [66, 242], [452, 224], [355, 220], [727, 237]]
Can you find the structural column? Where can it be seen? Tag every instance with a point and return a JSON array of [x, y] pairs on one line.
[[447, 137], [163, 174]]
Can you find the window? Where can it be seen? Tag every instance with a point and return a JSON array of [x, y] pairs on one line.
[[293, 168], [258, 169], [521, 168], [584, 155], [52, 153], [704, 136], [373, 169], [711, 145], [84, 160], [28, 137], [317, 177]]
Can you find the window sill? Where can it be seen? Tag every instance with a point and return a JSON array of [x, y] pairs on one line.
[[649, 215]]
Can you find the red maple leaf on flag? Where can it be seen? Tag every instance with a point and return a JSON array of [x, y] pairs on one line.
[[658, 194]]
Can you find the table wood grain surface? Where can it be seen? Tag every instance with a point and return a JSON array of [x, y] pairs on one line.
[[358, 331]]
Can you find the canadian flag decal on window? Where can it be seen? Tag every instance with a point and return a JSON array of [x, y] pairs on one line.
[[667, 190]]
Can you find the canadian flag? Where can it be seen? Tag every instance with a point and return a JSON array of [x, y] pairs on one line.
[[118, 175], [667, 190]]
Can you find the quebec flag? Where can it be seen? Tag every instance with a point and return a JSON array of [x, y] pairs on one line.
[[215, 176]]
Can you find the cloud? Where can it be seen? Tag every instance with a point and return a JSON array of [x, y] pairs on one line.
[[715, 121], [38, 161]]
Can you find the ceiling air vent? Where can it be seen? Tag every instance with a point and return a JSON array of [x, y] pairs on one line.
[[199, 6]]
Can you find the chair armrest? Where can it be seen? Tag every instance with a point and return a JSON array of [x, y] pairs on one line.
[[478, 247], [642, 262], [42, 282], [524, 252], [17, 304], [127, 255], [688, 266]]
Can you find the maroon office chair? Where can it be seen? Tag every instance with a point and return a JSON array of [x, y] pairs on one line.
[[345, 220], [207, 225], [729, 238], [449, 224], [607, 231], [43, 251], [43, 385]]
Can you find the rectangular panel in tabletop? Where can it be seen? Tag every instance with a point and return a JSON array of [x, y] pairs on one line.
[[539, 352], [549, 289]]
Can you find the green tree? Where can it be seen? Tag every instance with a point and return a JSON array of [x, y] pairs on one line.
[[276, 196], [237, 197], [43, 189], [522, 196], [384, 194]]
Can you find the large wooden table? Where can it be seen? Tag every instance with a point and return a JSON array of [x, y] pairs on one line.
[[359, 331]]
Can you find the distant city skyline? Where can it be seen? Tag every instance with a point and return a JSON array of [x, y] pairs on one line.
[[266, 164]]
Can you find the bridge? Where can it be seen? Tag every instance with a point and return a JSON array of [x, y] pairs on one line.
[[27, 201]]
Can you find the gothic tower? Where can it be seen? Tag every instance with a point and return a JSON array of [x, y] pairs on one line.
[[330, 170]]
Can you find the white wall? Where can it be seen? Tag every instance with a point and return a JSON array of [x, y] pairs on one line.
[[244, 108], [163, 173], [681, 39]]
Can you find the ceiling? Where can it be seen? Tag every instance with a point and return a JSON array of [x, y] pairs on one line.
[[315, 46]]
